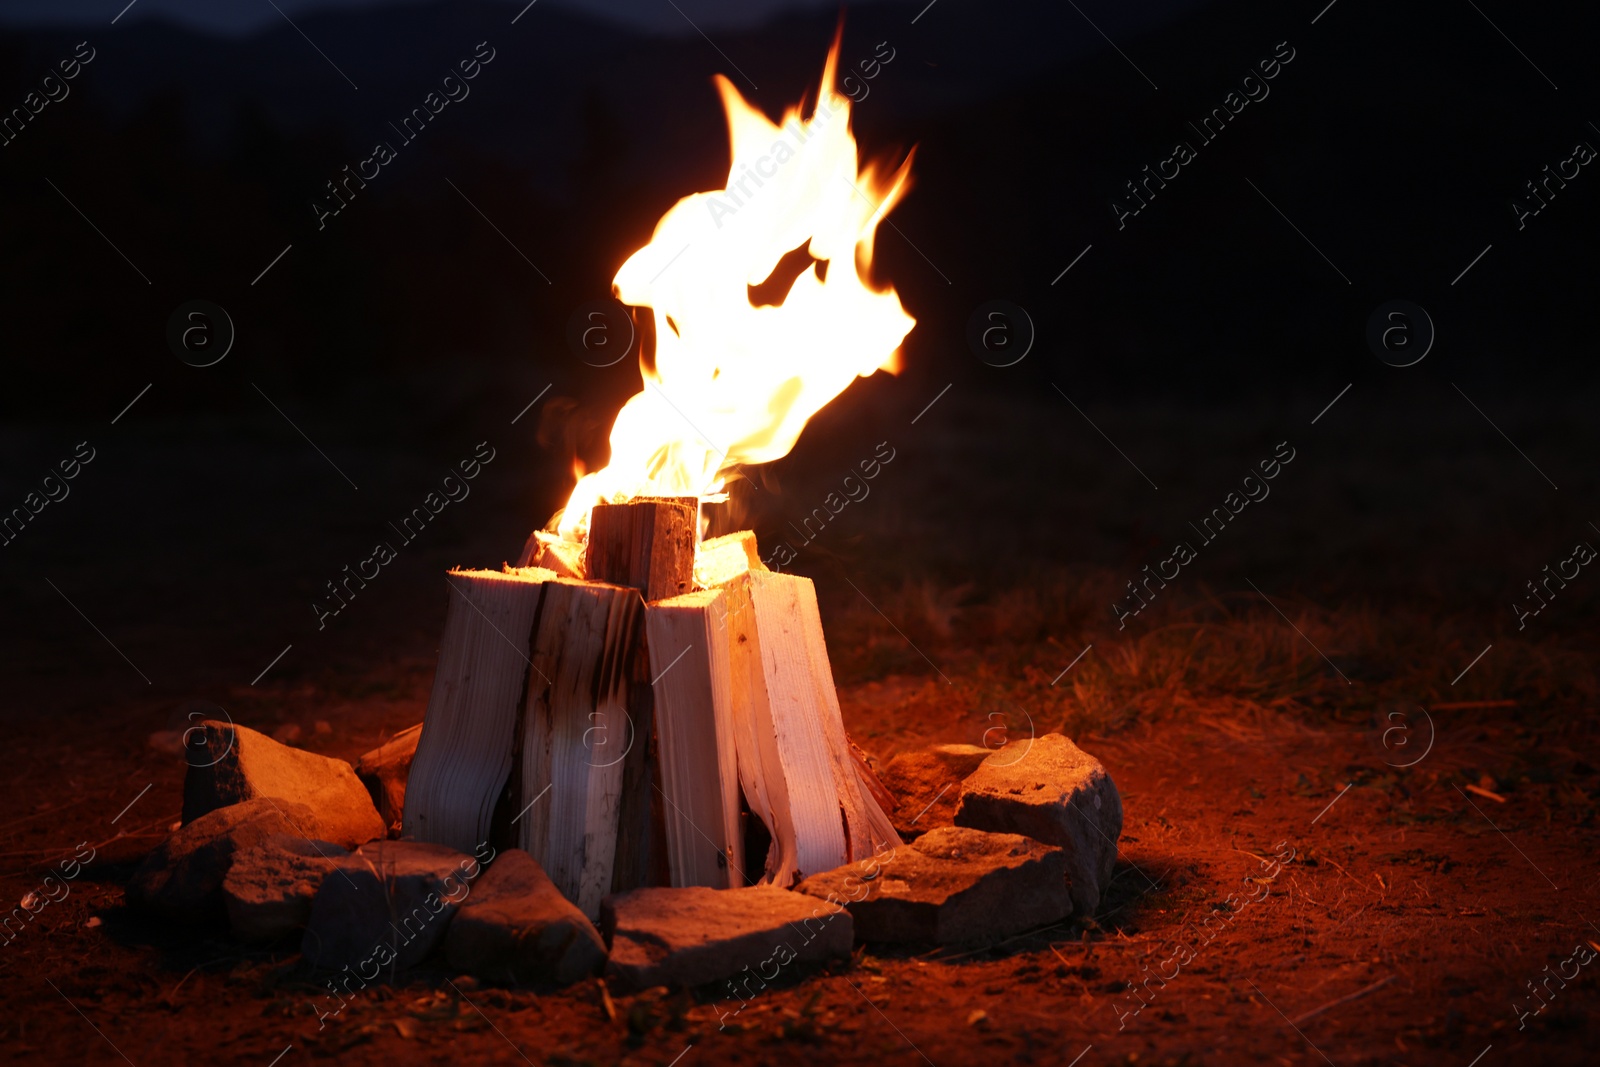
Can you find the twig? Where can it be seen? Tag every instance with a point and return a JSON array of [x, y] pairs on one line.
[[150, 829], [48, 811], [1352, 915], [1313, 1013], [182, 980], [1344, 872], [234, 958], [997, 944]]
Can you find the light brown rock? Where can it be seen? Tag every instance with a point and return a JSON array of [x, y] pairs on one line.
[[182, 878], [269, 887], [515, 926], [229, 764], [927, 784], [695, 935], [1056, 793], [384, 771], [393, 902], [951, 886]]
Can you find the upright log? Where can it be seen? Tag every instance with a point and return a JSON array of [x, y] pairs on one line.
[[647, 543], [577, 732], [761, 770], [722, 559], [688, 641], [641, 828], [464, 753], [833, 817]]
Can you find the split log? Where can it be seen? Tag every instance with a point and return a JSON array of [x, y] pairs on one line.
[[464, 755], [545, 549], [641, 826], [688, 642], [868, 825], [761, 771], [869, 777], [646, 543], [722, 559], [384, 771], [577, 733], [833, 817]]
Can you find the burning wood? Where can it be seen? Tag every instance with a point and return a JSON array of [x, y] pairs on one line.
[[741, 715], [545, 549], [642, 725], [648, 544], [542, 727]]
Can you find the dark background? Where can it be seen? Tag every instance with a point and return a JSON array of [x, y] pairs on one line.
[[1334, 631], [409, 329]]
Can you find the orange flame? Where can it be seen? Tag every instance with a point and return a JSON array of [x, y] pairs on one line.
[[734, 383]]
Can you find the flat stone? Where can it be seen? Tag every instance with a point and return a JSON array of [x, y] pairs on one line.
[[182, 878], [951, 886], [269, 887], [1056, 793], [394, 900], [229, 764], [695, 935], [515, 926], [927, 783], [384, 771]]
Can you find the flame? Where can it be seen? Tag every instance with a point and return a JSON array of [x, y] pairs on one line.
[[734, 383]]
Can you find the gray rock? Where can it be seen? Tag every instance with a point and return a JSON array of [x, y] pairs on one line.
[[230, 764], [393, 901], [269, 888], [515, 926], [1056, 793], [927, 784], [695, 935], [182, 878], [951, 886], [384, 771]]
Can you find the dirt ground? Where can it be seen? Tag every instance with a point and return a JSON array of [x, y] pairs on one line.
[[1398, 878], [1442, 832]]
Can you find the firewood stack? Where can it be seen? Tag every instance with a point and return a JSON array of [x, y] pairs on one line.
[[634, 711]]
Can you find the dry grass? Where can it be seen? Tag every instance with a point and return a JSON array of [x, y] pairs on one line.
[[1222, 657]]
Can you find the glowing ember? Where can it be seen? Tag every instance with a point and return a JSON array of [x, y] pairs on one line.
[[734, 383]]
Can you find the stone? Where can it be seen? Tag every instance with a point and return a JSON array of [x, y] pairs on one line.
[[1056, 793], [927, 784], [695, 935], [515, 926], [182, 878], [269, 888], [229, 764], [392, 903], [384, 771], [951, 886]]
